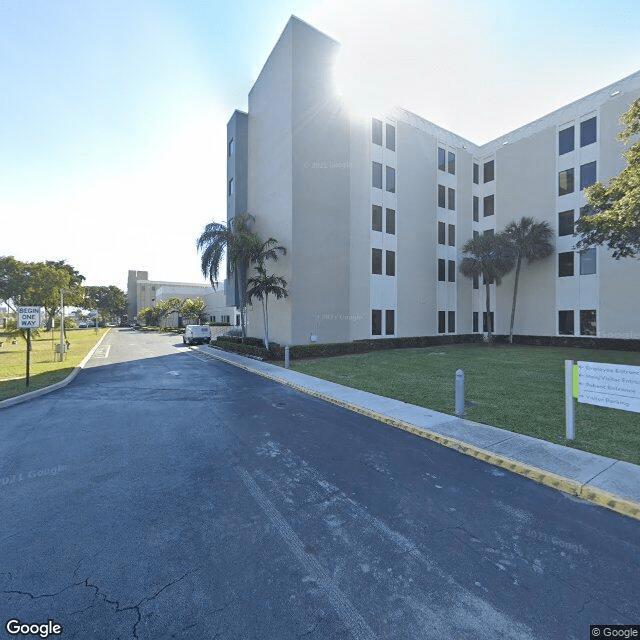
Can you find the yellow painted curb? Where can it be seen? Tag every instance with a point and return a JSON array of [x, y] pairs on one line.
[[566, 485]]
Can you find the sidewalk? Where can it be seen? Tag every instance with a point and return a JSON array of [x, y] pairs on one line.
[[603, 481]]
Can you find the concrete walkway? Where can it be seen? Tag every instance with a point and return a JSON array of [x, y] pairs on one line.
[[609, 483]]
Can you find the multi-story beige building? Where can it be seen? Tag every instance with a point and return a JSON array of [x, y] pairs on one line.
[[374, 212]]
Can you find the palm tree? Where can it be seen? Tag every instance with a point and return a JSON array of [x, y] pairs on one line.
[[240, 243], [260, 286], [489, 256], [530, 240]]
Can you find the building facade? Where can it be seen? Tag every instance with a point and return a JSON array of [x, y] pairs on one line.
[[374, 212]]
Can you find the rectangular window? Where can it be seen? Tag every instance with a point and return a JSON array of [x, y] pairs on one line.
[[441, 270], [391, 222], [451, 321], [476, 234], [376, 261], [475, 322], [391, 137], [588, 262], [587, 175], [565, 223], [452, 270], [231, 147], [389, 322], [452, 198], [376, 217], [566, 140], [442, 166], [476, 208], [476, 173], [452, 235], [376, 131], [489, 232], [391, 263], [565, 182], [376, 322], [441, 321], [488, 171], [588, 132], [476, 283], [442, 196], [230, 186], [442, 233], [588, 322], [451, 162], [391, 180], [376, 175], [565, 323], [488, 206], [485, 326], [565, 264]]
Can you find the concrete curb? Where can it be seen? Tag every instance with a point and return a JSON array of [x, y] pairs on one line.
[[570, 486], [32, 395]]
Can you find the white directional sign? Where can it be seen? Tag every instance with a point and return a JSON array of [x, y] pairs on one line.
[[609, 385], [28, 317]]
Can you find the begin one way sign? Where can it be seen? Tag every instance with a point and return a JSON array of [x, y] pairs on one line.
[[28, 317]]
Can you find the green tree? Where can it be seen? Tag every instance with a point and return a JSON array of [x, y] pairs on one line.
[[490, 257], [612, 216], [194, 309], [110, 302], [261, 286], [530, 240], [166, 307], [150, 316]]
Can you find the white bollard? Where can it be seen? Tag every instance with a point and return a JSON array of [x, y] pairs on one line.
[[459, 392]]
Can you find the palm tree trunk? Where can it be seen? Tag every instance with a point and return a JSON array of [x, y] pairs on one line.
[[488, 306], [265, 314], [515, 294]]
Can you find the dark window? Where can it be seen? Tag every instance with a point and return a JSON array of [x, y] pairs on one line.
[[489, 232], [451, 162], [451, 322], [441, 321], [389, 322], [452, 270], [588, 322], [565, 323], [485, 327], [442, 159], [476, 283], [565, 182], [231, 147], [565, 223], [565, 140], [376, 322], [442, 232], [452, 235], [476, 234], [442, 196], [441, 270], [391, 137], [476, 173], [376, 131], [452, 198], [488, 208], [391, 180], [376, 261], [391, 263], [391, 222], [476, 208], [565, 264], [231, 186], [475, 322], [488, 173], [376, 175], [587, 175], [588, 132], [588, 262], [376, 217]]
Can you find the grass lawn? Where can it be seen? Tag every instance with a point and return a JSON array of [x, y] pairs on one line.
[[43, 370], [519, 388]]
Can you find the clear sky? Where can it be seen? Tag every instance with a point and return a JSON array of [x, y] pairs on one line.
[[113, 112]]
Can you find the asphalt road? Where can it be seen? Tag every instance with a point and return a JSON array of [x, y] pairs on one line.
[[163, 494]]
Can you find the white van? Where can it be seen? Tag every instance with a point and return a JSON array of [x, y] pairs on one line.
[[196, 334]]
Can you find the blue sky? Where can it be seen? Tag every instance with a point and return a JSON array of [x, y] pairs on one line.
[[113, 113]]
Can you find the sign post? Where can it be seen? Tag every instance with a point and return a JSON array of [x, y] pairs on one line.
[[28, 318]]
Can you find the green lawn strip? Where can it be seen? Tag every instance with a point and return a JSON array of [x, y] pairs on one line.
[[43, 370], [518, 388]]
